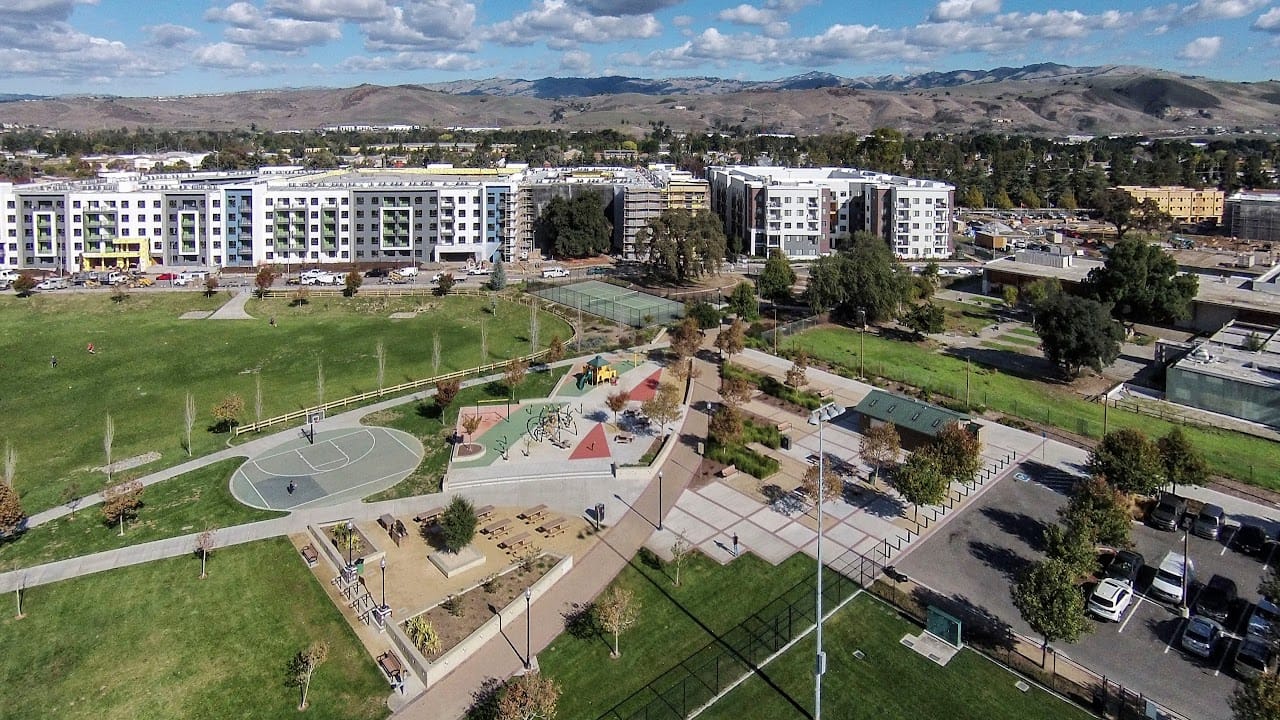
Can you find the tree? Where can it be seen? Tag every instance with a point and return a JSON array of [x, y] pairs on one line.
[[726, 425], [108, 440], [925, 318], [1257, 698], [920, 480], [1010, 296], [446, 391], [1128, 460], [1183, 463], [735, 390], [444, 283], [263, 280], [189, 419], [664, 406], [205, 543], [1116, 207], [616, 402], [210, 285], [680, 550], [380, 354], [732, 339], [1148, 215], [555, 349], [11, 513], [777, 278], [1040, 291], [1141, 281], [680, 245], [24, 284], [498, 276], [435, 353], [1072, 546], [458, 524], [797, 373], [1269, 586], [1076, 333], [470, 424], [686, 338], [864, 276], [529, 697], [1049, 601], [959, 452], [121, 502], [1100, 511], [704, 312], [227, 412], [303, 666], [352, 282], [575, 228], [880, 447], [617, 610], [514, 374], [743, 303], [832, 485]]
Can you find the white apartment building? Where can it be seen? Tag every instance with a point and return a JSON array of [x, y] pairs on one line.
[[805, 211]]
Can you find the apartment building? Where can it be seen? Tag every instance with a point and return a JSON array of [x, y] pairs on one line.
[[804, 211], [1185, 205]]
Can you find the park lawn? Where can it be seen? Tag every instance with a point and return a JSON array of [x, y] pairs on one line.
[[189, 503], [891, 682], [155, 641], [1244, 457], [423, 421], [993, 345], [1029, 332], [1019, 339], [966, 317], [673, 623], [148, 359]]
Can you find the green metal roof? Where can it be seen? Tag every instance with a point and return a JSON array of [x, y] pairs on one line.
[[908, 412], [597, 361]]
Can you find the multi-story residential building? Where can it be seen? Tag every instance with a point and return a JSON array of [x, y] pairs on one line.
[[1253, 215], [804, 211], [1185, 205]]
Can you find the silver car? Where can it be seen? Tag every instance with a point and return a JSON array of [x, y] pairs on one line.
[[1200, 636]]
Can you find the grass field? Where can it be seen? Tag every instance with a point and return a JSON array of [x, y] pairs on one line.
[[155, 641], [189, 503], [423, 421], [1243, 457], [673, 623], [890, 682], [966, 317], [148, 359]]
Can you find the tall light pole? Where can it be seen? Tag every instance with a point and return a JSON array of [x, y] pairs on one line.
[[351, 528], [819, 417], [528, 627], [383, 565], [862, 338], [659, 499]]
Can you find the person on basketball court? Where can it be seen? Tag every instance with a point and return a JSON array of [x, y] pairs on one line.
[[291, 487]]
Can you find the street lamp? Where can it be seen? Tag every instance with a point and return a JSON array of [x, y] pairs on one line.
[[819, 417], [659, 499], [383, 565], [528, 627], [862, 352], [351, 528]]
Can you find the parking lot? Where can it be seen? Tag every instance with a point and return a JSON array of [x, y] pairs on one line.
[[975, 557]]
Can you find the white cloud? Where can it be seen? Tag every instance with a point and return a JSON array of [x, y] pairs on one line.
[[626, 7], [560, 25], [424, 25], [169, 35], [1268, 21], [949, 10], [1202, 49], [285, 35], [454, 62], [576, 62], [54, 49], [349, 10], [746, 15], [240, 14], [226, 56], [1220, 9], [682, 20], [41, 10]]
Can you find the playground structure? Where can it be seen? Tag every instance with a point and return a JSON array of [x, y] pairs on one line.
[[597, 371], [551, 422]]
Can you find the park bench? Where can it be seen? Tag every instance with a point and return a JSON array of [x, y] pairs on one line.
[[516, 542], [309, 555], [429, 516], [498, 529], [825, 393], [623, 438], [484, 513], [535, 514], [728, 471], [784, 426], [553, 527], [388, 523], [390, 665]]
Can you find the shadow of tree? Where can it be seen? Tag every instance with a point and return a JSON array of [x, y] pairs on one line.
[[1003, 559], [1019, 525], [980, 626]]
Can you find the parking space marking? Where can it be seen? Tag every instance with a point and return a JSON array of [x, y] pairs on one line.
[[1132, 611], [1182, 624]]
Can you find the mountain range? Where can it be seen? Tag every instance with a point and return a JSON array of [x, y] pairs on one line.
[[1044, 98]]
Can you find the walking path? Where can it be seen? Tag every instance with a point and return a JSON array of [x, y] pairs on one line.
[[233, 309]]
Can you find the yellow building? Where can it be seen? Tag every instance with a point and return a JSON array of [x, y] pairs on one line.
[[1184, 205], [686, 193]]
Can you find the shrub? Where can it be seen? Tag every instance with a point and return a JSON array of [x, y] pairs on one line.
[[745, 459], [458, 524]]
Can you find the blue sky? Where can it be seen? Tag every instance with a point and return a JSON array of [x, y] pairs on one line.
[[165, 47]]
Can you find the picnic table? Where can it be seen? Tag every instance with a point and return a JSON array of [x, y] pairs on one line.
[[517, 542], [484, 513], [553, 527], [387, 522], [498, 528], [391, 665], [429, 516], [535, 514]]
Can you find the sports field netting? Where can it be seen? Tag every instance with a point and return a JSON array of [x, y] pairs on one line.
[[619, 304]]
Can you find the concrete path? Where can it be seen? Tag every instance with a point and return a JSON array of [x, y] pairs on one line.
[[233, 309]]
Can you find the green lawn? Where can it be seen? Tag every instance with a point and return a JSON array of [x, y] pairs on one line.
[[189, 503], [890, 682], [674, 622], [155, 641], [1032, 341], [423, 421], [966, 317], [148, 359], [1243, 457]]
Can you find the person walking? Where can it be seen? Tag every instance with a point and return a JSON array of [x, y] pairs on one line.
[[735, 544], [53, 361]]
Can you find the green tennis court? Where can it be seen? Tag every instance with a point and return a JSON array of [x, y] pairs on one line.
[[619, 304]]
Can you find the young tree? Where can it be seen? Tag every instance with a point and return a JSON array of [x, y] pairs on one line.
[[352, 282], [470, 424], [121, 502], [529, 697], [444, 283], [484, 343], [458, 524], [735, 391], [797, 373], [1099, 511], [435, 353], [535, 327], [680, 550], [498, 277], [777, 278], [227, 412], [514, 374], [210, 285], [616, 611], [1010, 296], [108, 439], [920, 480], [664, 406], [10, 463], [1049, 601], [686, 338], [189, 419], [380, 353], [959, 452], [743, 303], [880, 447], [423, 634], [205, 543], [1128, 460], [832, 485], [925, 318], [446, 391], [257, 397], [732, 339], [616, 402], [303, 666], [1076, 333], [263, 280], [11, 513], [1183, 463], [301, 297], [725, 425], [555, 349], [1257, 698], [24, 284]]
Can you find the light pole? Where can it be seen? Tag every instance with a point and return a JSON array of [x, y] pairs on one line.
[[862, 339], [351, 528], [383, 565], [528, 627], [819, 417], [659, 499]]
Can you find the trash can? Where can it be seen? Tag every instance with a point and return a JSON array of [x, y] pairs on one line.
[[786, 442]]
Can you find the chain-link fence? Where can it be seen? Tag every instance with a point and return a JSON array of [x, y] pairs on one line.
[[631, 307]]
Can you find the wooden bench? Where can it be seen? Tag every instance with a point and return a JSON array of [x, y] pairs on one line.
[[728, 471], [499, 528], [484, 513], [429, 516], [784, 426], [553, 527], [624, 438], [390, 665], [517, 542], [309, 555], [825, 393], [535, 514]]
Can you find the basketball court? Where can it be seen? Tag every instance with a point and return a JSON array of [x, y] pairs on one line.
[[326, 468]]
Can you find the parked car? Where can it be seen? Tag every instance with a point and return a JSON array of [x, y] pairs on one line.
[[1262, 618], [1216, 597], [1208, 523], [53, 283], [408, 271], [1251, 539], [598, 270], [1168, 512], [377, 273], [167, 276], [1168, 582], [555, 272], [1110, 599], [479, 270], [1125, 567], [1200, 636], [1255, 657]]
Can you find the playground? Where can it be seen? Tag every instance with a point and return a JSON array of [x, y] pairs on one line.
[[326, 467], [635, 308]]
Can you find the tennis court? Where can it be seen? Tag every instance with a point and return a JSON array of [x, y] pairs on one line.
[[619, 304]]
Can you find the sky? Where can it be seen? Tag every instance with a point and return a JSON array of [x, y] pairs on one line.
[[174, 47]]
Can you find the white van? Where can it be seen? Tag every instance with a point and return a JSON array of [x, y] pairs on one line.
[[1168, 582], [408, 272]]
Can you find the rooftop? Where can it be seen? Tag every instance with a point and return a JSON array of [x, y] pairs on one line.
[[1230, 354], [905, 412]]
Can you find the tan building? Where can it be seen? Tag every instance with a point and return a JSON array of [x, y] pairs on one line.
[[683, 192], [1185, 205]]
